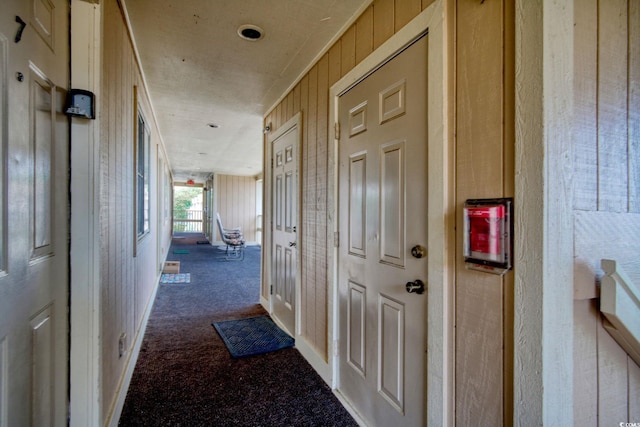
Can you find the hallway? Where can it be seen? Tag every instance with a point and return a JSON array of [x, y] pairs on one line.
[[185, 374]]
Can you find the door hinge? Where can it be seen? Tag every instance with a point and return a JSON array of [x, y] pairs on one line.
[[271, 290], [336, 239], [336, 128]]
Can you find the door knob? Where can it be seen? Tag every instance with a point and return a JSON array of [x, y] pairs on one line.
[[415, 287], [418, 251], [292, 244]]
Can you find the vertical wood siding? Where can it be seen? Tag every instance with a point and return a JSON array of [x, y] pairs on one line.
[[484, 169], [606, 199], [127, 280], [377, 23], [236, 203], [116, 160]]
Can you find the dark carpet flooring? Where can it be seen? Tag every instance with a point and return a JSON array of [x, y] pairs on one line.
[[185, 375]]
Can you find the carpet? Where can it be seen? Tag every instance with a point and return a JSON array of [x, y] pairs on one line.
[[176, 278], [252, 336], [185, 376]]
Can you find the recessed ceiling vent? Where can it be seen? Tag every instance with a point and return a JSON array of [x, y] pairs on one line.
[[250, 32]]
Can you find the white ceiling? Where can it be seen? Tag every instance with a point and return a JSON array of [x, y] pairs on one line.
[[199, 71]]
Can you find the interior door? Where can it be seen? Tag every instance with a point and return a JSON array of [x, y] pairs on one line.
[[284, 189], [383, 230], [34, 63]]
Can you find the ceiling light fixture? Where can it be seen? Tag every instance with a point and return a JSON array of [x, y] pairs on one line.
[[250, 32]]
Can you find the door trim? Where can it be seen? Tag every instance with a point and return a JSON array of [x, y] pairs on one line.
[[440, 222], [85, 339]]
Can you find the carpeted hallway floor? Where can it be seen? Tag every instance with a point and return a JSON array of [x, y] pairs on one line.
[[185, 375]]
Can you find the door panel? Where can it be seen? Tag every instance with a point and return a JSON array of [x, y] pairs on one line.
[[392, 195], [391, 351], [34, 206], [356, 318], [383, 211], [357, 204], [42, 110], [285, 204]]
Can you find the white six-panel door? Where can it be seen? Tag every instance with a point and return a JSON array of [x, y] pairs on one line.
[[34, 134], [284, 198], [382, 216]]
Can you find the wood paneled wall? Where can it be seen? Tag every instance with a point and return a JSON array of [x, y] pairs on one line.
[[606, 193], [127, 278], [235, 200], [606, 200], [485, 142], [378, 22]]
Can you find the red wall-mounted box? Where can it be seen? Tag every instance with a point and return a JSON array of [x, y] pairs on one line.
[[488, 234]]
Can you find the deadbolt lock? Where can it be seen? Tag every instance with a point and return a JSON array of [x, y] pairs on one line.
[[418, 251]]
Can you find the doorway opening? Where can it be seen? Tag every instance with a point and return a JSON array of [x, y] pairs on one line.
[[188, 208]]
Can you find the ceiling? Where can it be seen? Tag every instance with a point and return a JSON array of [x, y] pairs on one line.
[[199, 71]]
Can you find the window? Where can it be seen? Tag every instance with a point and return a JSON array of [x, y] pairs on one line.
[[142, 178]]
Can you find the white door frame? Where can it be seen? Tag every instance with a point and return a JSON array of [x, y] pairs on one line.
[[440, 221], [295, 121], [85, 353]]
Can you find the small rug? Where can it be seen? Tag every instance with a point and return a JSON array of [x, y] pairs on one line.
[[252, 336], [181, 251], [202, 242], [176, 278]]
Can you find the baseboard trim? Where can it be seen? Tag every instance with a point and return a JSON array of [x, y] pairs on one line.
[[123, 386], [315, 360], [350, 409]]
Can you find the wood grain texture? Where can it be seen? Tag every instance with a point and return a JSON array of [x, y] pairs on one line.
[[236, 204], [634, 106], [480, 174], [296, 100], [479, 382], [406, 10], [612, 378], [612, 106], [288, 110], [599, 235], [310, 208], [322, 284], [634, 390], [585, 363], [277, 113], [508, 191], [585, 104], [127, 279], [305, 237], [112, 211], [383, 21], [479, 102], [607, 113], [364, 34], [348, 50], [335, 61], [426, 3]]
